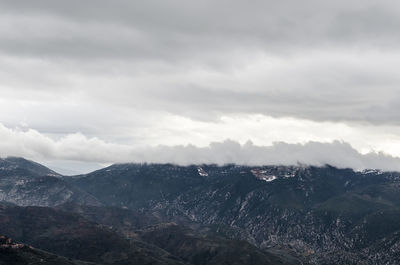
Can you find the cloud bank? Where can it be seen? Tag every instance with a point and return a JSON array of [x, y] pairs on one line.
[[313, 60], [128, 74], [77, 147]]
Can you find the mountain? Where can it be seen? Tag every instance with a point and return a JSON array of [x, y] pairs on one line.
[[25, 182], [206, 214], [68, 234], [326, 215], [12, 253], [22, 166], [193, 244], [201, 249]]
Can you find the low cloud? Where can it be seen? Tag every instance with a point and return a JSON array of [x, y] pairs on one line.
[[77, 147], [336, 153]]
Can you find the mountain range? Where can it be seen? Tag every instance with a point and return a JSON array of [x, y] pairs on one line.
[[201, 214]]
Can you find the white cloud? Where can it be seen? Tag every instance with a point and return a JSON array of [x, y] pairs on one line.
[[338, 154], [77, 147]]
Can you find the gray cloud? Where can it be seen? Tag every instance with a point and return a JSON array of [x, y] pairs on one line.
[[264, 23], [137, 72], [312, 60]]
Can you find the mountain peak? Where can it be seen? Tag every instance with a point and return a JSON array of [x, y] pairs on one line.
[[13, 163]]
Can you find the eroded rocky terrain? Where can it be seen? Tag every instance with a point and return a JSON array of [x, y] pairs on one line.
[[205, 214]]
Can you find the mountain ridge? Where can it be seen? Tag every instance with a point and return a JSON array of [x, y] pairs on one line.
[[312, 209], [319, 214]]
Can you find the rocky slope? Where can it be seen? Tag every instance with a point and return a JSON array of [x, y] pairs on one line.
[[118, 236], [316, 215], [191, 242], [327, 215], [71, 235], [25, 182], [202, 248]]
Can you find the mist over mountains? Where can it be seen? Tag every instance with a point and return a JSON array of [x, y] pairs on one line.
[[180, 132], [94, 152]]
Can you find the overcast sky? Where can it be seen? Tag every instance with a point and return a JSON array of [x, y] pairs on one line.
[[88, 83]]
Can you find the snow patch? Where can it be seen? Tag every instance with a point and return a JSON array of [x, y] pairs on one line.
[[372, 171], [261, 174], [202, 172]]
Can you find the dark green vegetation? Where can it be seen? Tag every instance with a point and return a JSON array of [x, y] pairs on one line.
[[20, 254], [72, 236], [166, 214], [131, 242], [325, 215]]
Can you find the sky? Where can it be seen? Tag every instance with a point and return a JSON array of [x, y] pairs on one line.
[[84, 84]]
